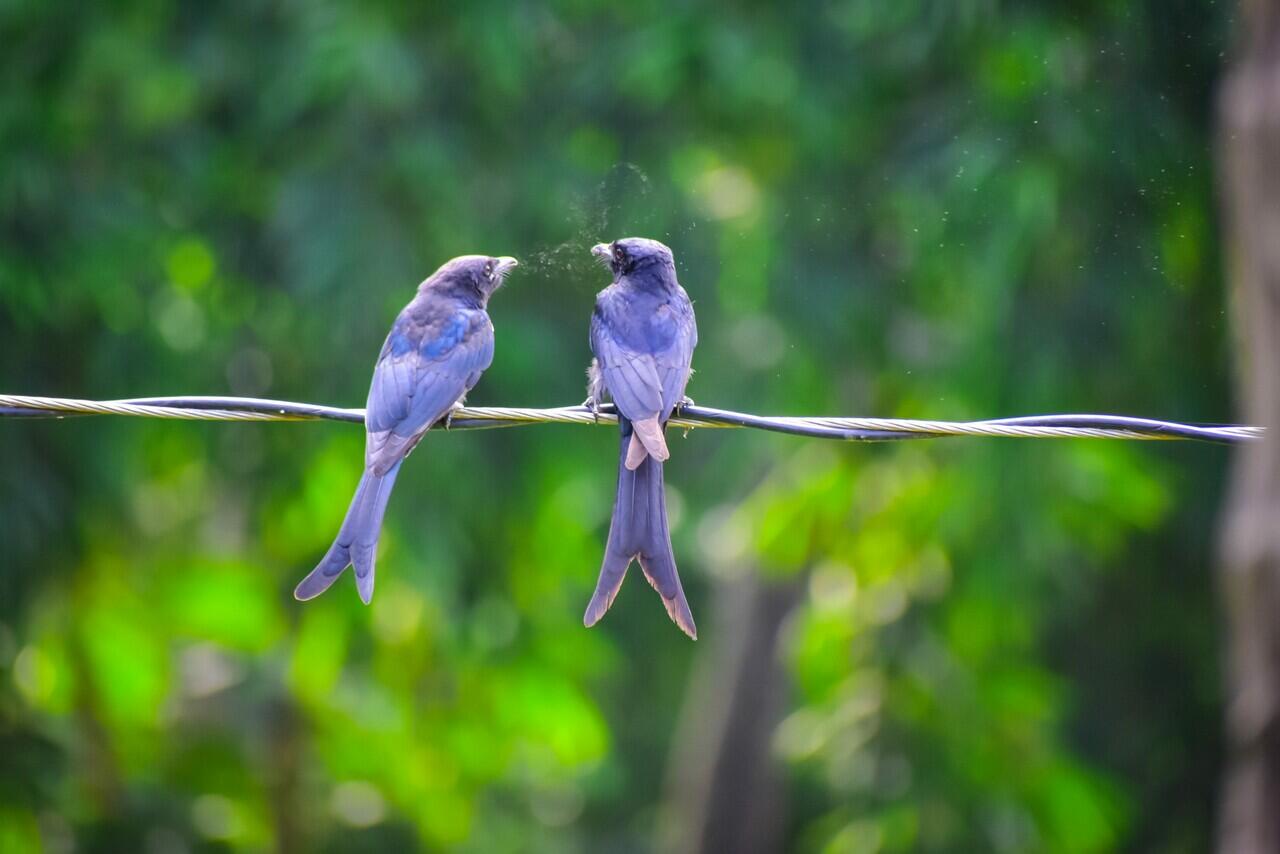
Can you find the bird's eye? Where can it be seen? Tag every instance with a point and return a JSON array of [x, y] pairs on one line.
[[619, 254], [488, 270]]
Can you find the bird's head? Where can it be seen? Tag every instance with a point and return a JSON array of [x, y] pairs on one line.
[[631, 256], [472, 275]]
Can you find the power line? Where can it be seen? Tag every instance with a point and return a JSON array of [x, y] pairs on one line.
[[481, 418]]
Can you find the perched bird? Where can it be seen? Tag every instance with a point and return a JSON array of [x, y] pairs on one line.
[[642, 334], [437, 349]]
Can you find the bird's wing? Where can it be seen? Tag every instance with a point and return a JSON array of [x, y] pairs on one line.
[[675, 363], [419, 376], [631, 376]]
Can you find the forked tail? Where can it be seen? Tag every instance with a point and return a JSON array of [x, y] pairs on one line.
[[639, 531], [357, 541]]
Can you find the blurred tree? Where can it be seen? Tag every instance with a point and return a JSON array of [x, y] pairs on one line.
[[1249, 148]]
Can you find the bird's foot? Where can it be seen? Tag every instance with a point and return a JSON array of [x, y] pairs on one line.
[[592, 405], [448, 416], [685, 400]]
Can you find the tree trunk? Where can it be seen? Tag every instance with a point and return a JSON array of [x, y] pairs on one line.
[[1249, 166], [724, 788]]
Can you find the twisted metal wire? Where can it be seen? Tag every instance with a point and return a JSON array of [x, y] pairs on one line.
[[689, 416]]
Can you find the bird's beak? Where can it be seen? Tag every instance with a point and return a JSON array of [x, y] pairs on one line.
[[505, 265], [603, 254]]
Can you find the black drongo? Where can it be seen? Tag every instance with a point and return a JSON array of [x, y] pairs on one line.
[[437, 349], [642, 334]]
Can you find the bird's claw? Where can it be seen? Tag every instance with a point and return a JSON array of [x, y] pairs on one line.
[[593, 406], [685, 400], [448, 416]]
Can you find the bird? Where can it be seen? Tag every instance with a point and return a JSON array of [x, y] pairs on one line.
[[436, 351], [643, 334]]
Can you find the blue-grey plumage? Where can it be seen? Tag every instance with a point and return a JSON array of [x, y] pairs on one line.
[[643, 334], [436, 351]]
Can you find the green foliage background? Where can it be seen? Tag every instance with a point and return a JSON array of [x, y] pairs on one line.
[[919, 208]]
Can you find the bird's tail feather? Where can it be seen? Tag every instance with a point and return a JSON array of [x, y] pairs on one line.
[[639, 531], [357, 541]]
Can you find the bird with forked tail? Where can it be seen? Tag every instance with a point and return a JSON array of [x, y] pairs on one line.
[[435, 353], [642, 335]]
